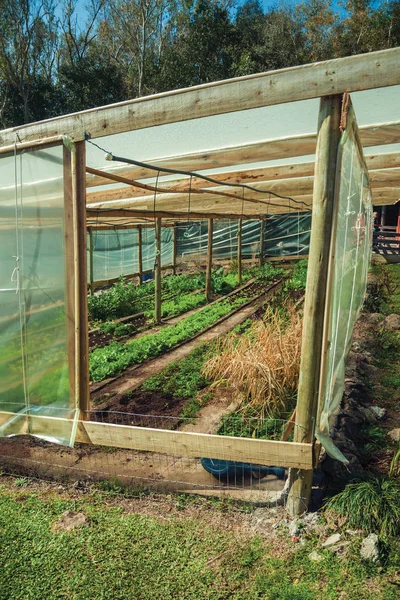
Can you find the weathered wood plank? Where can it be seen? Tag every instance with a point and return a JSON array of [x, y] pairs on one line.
[[195, 445], [361, 72]]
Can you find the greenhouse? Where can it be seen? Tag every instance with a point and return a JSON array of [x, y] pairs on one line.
[[135, 233]]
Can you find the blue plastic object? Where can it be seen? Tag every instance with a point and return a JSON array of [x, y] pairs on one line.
[[229, 468], [147, 277]]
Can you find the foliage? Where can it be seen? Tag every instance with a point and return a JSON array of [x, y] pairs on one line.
[[247, 422], [372, 504], [182, 378], [298, 278], [194, 555], [179, 305], [373, 438], [116, 357], [381, 289], [56, 58], [263, 366], [394, 470], [117, 329]]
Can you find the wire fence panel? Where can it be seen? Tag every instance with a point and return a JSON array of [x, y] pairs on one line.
[[351, 255]]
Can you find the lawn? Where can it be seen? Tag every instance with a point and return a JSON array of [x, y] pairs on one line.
[[167, 548]]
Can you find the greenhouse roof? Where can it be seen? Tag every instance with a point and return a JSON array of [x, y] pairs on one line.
[[259, 130]]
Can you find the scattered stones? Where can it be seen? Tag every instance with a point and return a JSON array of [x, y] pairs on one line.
[[395, 434], [315, 556], [352, 532], [70, 520], [380, 412], [339, 549], [370, 548], [332, 539], [392, 322]]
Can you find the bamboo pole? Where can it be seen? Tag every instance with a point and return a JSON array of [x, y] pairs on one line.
[[91, 283], [174, 247], [261, 257], [81, 306], [140, 254], [157, 271], [209, 259], [239, 252], [300, 481]]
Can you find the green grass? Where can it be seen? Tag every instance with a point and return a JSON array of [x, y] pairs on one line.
[[372, 504], [124, 555]]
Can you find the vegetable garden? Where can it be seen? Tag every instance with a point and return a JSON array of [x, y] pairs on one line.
[[192, 312]]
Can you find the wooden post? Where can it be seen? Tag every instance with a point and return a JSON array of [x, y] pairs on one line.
[[91, 284], [209, 259], [261, 257], [69, 274], [314, 308], [174, 246], [157, 271], [81, 307], [140, 254], [239, 254]]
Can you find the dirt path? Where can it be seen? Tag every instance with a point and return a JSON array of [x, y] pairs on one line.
[[135, 376]]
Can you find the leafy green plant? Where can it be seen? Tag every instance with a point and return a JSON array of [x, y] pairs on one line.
[[394, 469], [372, 504], [116, 357], [117, 329], [373, 438], [298, 278]]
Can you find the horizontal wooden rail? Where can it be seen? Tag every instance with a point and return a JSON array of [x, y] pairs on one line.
[[195, 445], [361, 72]]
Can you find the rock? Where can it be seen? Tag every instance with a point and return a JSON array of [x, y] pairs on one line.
[[392, 322], [340, 548], [315, 556], [294, 530], [70, 520], [395, 434], [352, 532], [380, 412], [368, 413], [261, 520], [332, 539], [370, 548], [374, 318]]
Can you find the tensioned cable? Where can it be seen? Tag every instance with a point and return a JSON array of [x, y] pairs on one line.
[[130, 161]]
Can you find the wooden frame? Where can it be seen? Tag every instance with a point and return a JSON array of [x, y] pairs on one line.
[[364, 71], [195, 445]]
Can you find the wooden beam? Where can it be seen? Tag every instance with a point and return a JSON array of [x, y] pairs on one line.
[[97, 214], [261, 253], [140, 254], [239, 251], [69, 272], [91, 286], [209, 258], [174, 248], [81, 308], [365, 71], [263, 151], [314, 308], [157, 271], [194, 445]]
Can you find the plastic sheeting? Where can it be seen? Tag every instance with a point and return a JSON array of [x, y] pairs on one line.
[[34, 368], [115, 252], [349, 269]]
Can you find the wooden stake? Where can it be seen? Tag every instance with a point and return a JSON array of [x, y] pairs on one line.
[[314, 308], [157, 271], [81, 307], [140, 254], [174, 247], [91, 283], [209, 259], [261, 257], [69, 274], [239, 250]]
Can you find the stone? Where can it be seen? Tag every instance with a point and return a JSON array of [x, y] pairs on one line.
[[70, 520], [370, 548], [392, 322], [395, 434], [315, 556], [369, 415], [340, 548], [380, 412], [332, 539], [294, 530]]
